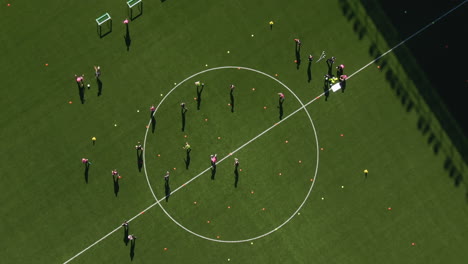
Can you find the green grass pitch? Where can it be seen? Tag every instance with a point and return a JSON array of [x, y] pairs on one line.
[[410, 208]]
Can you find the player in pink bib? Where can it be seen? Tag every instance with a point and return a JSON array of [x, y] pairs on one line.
[[214, 159], [281, 97], [80, 80]]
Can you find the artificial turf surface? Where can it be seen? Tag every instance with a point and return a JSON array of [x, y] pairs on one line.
[[414, 192]]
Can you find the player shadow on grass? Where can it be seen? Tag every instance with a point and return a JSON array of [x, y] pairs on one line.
[[199, 93], [81, 93], [126, 231], [139, 153], [232, 101], [183, 111], [280, 107], [132, 248], [99, 83], [115, 179], [309, 72], [213, 171], [128, 40], [343, 86], [236, 175], [298, 54], [187, 159], [167, 190], [86, 172], [326, 89], [153, 123], [330, 66]]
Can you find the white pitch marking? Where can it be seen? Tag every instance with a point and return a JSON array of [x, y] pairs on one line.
[[149, 207]]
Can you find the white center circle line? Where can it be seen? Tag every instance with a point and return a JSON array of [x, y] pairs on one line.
[[158, 201]]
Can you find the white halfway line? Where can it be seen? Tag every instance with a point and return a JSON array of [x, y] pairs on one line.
[[268, 129]]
